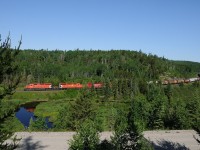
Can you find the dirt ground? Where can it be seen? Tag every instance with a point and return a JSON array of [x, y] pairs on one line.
[[173, 139], [161, 140]]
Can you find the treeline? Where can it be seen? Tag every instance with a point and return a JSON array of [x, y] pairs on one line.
[[187, 68], [57, 66], [77, 65]]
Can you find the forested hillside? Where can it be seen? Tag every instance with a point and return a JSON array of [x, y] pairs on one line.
[[81, 66], [187, 68]]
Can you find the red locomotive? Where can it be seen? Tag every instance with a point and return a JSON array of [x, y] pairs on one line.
[[62, 86], [38, 87]]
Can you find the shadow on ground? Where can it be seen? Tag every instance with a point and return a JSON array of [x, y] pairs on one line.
[[29, 144], [105, 145], [168, 145]]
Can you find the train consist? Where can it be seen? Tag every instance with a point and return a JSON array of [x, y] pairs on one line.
[[62, 86], [65, 86]]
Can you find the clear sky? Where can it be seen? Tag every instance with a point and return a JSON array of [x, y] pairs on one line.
[[169, 28]]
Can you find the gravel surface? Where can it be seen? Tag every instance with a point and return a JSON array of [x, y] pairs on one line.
[[162, 140], [173, 139], [49, 140]]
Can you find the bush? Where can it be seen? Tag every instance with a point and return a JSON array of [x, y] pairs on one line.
[[38, 125], [87, 137]]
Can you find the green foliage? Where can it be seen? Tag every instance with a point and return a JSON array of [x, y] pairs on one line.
[[142, 108], [128, 132], [183, 111], [158, 103], [50, 109], [45, 95], [193, 108], [39, 124], [84, 66], [8, 68], [63, 119], [77, 112], [186, 68], [12, 124], [87, 137], [168, 92], [8, 82]]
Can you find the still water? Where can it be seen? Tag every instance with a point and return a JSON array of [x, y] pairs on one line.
[[26, 112]]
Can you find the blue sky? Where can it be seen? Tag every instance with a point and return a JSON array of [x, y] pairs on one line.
[[169, 28]]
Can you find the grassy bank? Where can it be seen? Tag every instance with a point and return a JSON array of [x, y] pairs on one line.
[[44, 95], [53, 101]]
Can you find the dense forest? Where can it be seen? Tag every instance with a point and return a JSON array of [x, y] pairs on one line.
[[127, 102], [81, 65]]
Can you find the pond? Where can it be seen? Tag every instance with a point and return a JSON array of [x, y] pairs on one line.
[[26, 111]]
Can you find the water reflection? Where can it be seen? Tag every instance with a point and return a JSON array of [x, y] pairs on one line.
[[26, 112], [24, 116]]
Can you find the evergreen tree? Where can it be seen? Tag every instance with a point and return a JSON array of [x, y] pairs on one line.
[[86, 138], [128, 132], [83, 108], [77, 112], [8, 82], [158, 103], [193, 108], [168, 92]]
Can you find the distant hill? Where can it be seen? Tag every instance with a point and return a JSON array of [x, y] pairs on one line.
[[187, 68], [96, 65]]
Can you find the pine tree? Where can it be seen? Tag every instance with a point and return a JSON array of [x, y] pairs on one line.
[[82, 109], [128, 132], [82, 120], [77, 112], [86, 138], [8, 82], [157, 111]]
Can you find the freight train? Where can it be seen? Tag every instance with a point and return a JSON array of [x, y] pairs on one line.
[[65, 86], [62, 86], [178, 81]]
